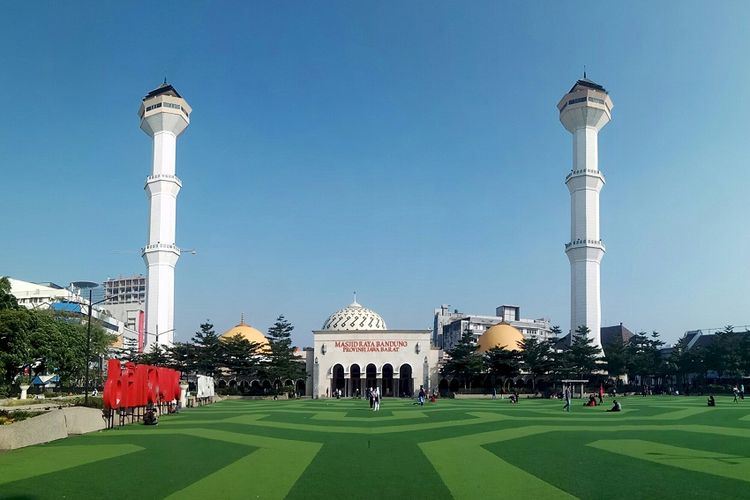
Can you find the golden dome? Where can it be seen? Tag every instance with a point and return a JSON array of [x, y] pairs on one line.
[[501, 335], [248, 333]]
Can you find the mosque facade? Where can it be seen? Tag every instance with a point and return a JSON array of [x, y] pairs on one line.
[[355, 350]]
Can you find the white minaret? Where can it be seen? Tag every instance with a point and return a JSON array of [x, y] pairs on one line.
[[584, 111], [164, 115]]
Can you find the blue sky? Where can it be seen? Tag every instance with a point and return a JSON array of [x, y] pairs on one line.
[[407, 150]]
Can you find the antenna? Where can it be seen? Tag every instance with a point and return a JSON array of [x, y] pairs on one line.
[[584, 72]]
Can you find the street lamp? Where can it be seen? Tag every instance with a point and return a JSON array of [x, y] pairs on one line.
[[157, 334], [88, 344]]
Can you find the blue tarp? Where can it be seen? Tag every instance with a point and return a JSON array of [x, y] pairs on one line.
[[67, 306]]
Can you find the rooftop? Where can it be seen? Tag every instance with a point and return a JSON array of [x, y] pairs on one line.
[[164, 89]]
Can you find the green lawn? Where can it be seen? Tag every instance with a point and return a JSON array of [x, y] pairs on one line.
[[658, 447]]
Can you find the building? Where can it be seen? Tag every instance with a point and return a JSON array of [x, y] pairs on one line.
[[608, 334], [355, 350], [127, 290], [125, 301], [52, 296], [585, 110], [42, 296], [449, 326], [164, 116]]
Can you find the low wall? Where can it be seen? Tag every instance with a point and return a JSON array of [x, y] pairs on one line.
[[280, 396], [50, 426]]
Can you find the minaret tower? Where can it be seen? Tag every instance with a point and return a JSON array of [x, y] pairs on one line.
[[164, 116], [583, 112]]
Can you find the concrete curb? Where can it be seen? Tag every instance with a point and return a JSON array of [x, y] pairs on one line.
[[50, 426]]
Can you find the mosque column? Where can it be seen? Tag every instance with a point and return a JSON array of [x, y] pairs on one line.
[[346, 386], [396, 387]]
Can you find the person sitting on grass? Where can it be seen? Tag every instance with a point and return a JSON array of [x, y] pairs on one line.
[[149, 417], [616, 406], [711, 401], [513, 398]]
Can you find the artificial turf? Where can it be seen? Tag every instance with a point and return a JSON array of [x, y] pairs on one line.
[[666, 447]]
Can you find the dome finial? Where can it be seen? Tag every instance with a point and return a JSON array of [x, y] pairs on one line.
[[355, 296], [242, 318]]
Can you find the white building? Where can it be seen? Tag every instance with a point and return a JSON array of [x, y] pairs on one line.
[[41, 296], [355, 350], [585, 110], [51, 296], [450, 326], [164, 116]]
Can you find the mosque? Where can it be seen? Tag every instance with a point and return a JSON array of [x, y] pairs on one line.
[[355, 350]]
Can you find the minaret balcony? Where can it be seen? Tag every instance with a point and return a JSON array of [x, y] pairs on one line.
[[169, 247], [580, 243], [164, 177], [584, 171]]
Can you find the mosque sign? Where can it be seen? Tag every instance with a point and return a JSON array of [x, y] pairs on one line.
[[370, 345]]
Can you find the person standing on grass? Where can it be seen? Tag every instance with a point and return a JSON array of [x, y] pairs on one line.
[[422, 395], [377, 399], [371, 397], [566, 395], [736, 394]]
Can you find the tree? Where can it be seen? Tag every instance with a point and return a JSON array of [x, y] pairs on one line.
[[282, 364], [206, 355], [181, 356], [644, 356], [616, 356], [537, 358], [15, 348], [581, 359], [502, 364], [464, 363], [556, 330], [157, 356], [7, 299], [239, 356], [725, 354]]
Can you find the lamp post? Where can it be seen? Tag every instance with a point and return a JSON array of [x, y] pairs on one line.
[[156, 334], [88, 345]]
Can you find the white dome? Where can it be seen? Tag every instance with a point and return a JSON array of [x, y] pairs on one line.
[[354, 317]]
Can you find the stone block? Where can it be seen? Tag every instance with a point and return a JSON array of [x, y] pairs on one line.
[[80, 420], [40, 429]]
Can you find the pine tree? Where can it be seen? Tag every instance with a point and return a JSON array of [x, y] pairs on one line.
[[206, 355], [282, 363], [464, 363], [581, 358]]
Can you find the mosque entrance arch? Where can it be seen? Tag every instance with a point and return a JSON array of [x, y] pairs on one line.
[[337, 379], [371, 376], [406, 382], [355, 382], [300, 387], [388, 380]]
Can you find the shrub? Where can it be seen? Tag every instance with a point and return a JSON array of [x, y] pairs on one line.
[[8, 417], [94, 402]]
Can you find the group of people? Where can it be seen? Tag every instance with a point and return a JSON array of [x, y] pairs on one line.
[[592, 401], [373, 394]]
